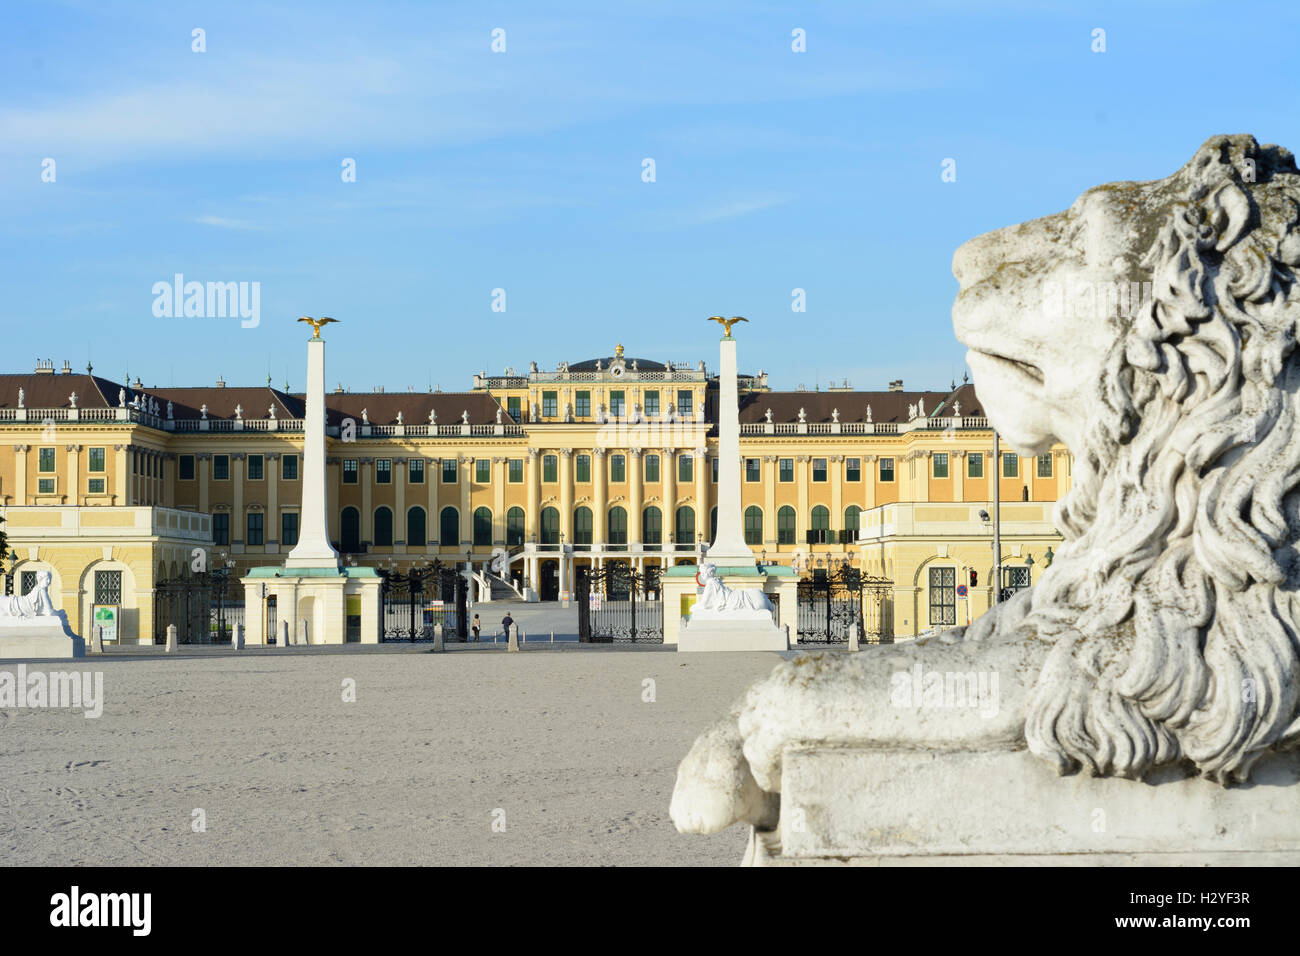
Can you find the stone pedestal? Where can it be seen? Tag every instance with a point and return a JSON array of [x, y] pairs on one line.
[[733, 631], [892, 807], [324, 597], [44, 637]]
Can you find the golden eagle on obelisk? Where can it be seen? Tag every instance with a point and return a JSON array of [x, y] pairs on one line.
[[316, 323], [727, 323]]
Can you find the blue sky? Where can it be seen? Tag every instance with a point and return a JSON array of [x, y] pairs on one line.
[[522, 170]]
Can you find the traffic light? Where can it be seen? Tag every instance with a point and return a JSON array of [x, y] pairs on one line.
[[974, 578]]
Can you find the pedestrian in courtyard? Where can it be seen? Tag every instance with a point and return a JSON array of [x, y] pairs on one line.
[[475, 626], [505, 624]]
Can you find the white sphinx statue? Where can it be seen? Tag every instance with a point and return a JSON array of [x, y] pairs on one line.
[[718, 600], [30, 627], [1163, 643]]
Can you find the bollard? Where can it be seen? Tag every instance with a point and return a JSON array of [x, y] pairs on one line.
[[237, 638], [302, 631], [97, 640], [853, 636], [552, 637], [437, 638], [171, 638], [787, 637], [284, 633], [513, 644], [523, 637]]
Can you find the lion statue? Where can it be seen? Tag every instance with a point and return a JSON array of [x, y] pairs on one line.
[[1166, 630]]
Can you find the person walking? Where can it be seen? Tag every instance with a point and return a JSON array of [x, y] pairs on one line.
[[505, 624], [475, 626]]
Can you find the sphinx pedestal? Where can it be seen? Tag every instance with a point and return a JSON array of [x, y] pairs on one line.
[[693, 630], [43, 637], [903, 808]]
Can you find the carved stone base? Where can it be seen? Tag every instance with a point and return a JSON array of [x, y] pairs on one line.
[[732, 635], [39, 638], [897, 808]]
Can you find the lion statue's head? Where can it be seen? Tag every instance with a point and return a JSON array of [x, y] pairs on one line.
[[1152, 328]]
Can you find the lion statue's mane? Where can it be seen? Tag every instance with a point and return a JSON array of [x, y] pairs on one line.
[[1172, 608]]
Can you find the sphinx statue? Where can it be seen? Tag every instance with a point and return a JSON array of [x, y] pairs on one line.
[[1163, 643]]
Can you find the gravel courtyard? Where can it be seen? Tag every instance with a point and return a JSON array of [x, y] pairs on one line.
[[556, 744]]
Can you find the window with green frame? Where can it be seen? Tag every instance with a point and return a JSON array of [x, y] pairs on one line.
[[550, 469], [582, 404], [483, 471], [45, 460], [616, 401], [974, 464], [685, 468], [514, 407], [1045, 466], [753, 525], [652, 403], [515, 469], [582, 468], [651, 468], [1010, 465], [95, 461], [785, 525], [550, 404], [617, 468], [940, 466]]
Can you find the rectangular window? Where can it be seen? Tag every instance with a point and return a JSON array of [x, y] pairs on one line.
[[514, 407], [550, 404], [685, 468], [255, 468], [95, 486], [415, 471], [583, 468], [886, 469], [940, 464], [651, 468], [617, 468], [289, 467], [550, 468], [221, 528], [582, 404], [652, 403], [943, 596], [45, 486], [289, 528], [684, 403], [819, 469], [483, 470], [46, 462], [616, 403], [753, 471], [785, 469], [383, 471], [254, 528], [714, 466], [95, 460], [349, 471], [1010, 465], [1014, 579], [108, 587], [515, 471], [974, 464], [449, 471], [852, 469], [185, 468], [220, 467], [1045, 466]]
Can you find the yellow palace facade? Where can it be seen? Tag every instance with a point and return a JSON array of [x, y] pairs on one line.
[[115, 487]]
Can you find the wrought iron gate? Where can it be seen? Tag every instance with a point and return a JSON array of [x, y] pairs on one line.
[[205, 608], [832, 602], [619, 604], [411, 604]]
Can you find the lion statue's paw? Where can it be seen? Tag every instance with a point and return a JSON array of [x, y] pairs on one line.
[[715, 788]]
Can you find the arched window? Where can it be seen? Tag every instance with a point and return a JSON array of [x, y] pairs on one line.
[[550, 526], [582, 524], [821, 523], [852, 517], [383, 527], [617, 525], [652, 526], [685, 527], [753, 525], [785, 522], [449, 527], [514, 527], [350, 531], [483, 526], [416, 531], [713, 524]]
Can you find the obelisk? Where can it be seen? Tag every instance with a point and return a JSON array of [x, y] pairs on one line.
[[313, 549], [729, 548]]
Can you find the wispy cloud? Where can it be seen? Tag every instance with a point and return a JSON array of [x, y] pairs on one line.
[[221, 222]]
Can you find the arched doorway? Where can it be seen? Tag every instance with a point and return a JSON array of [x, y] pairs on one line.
[[350, 531]]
